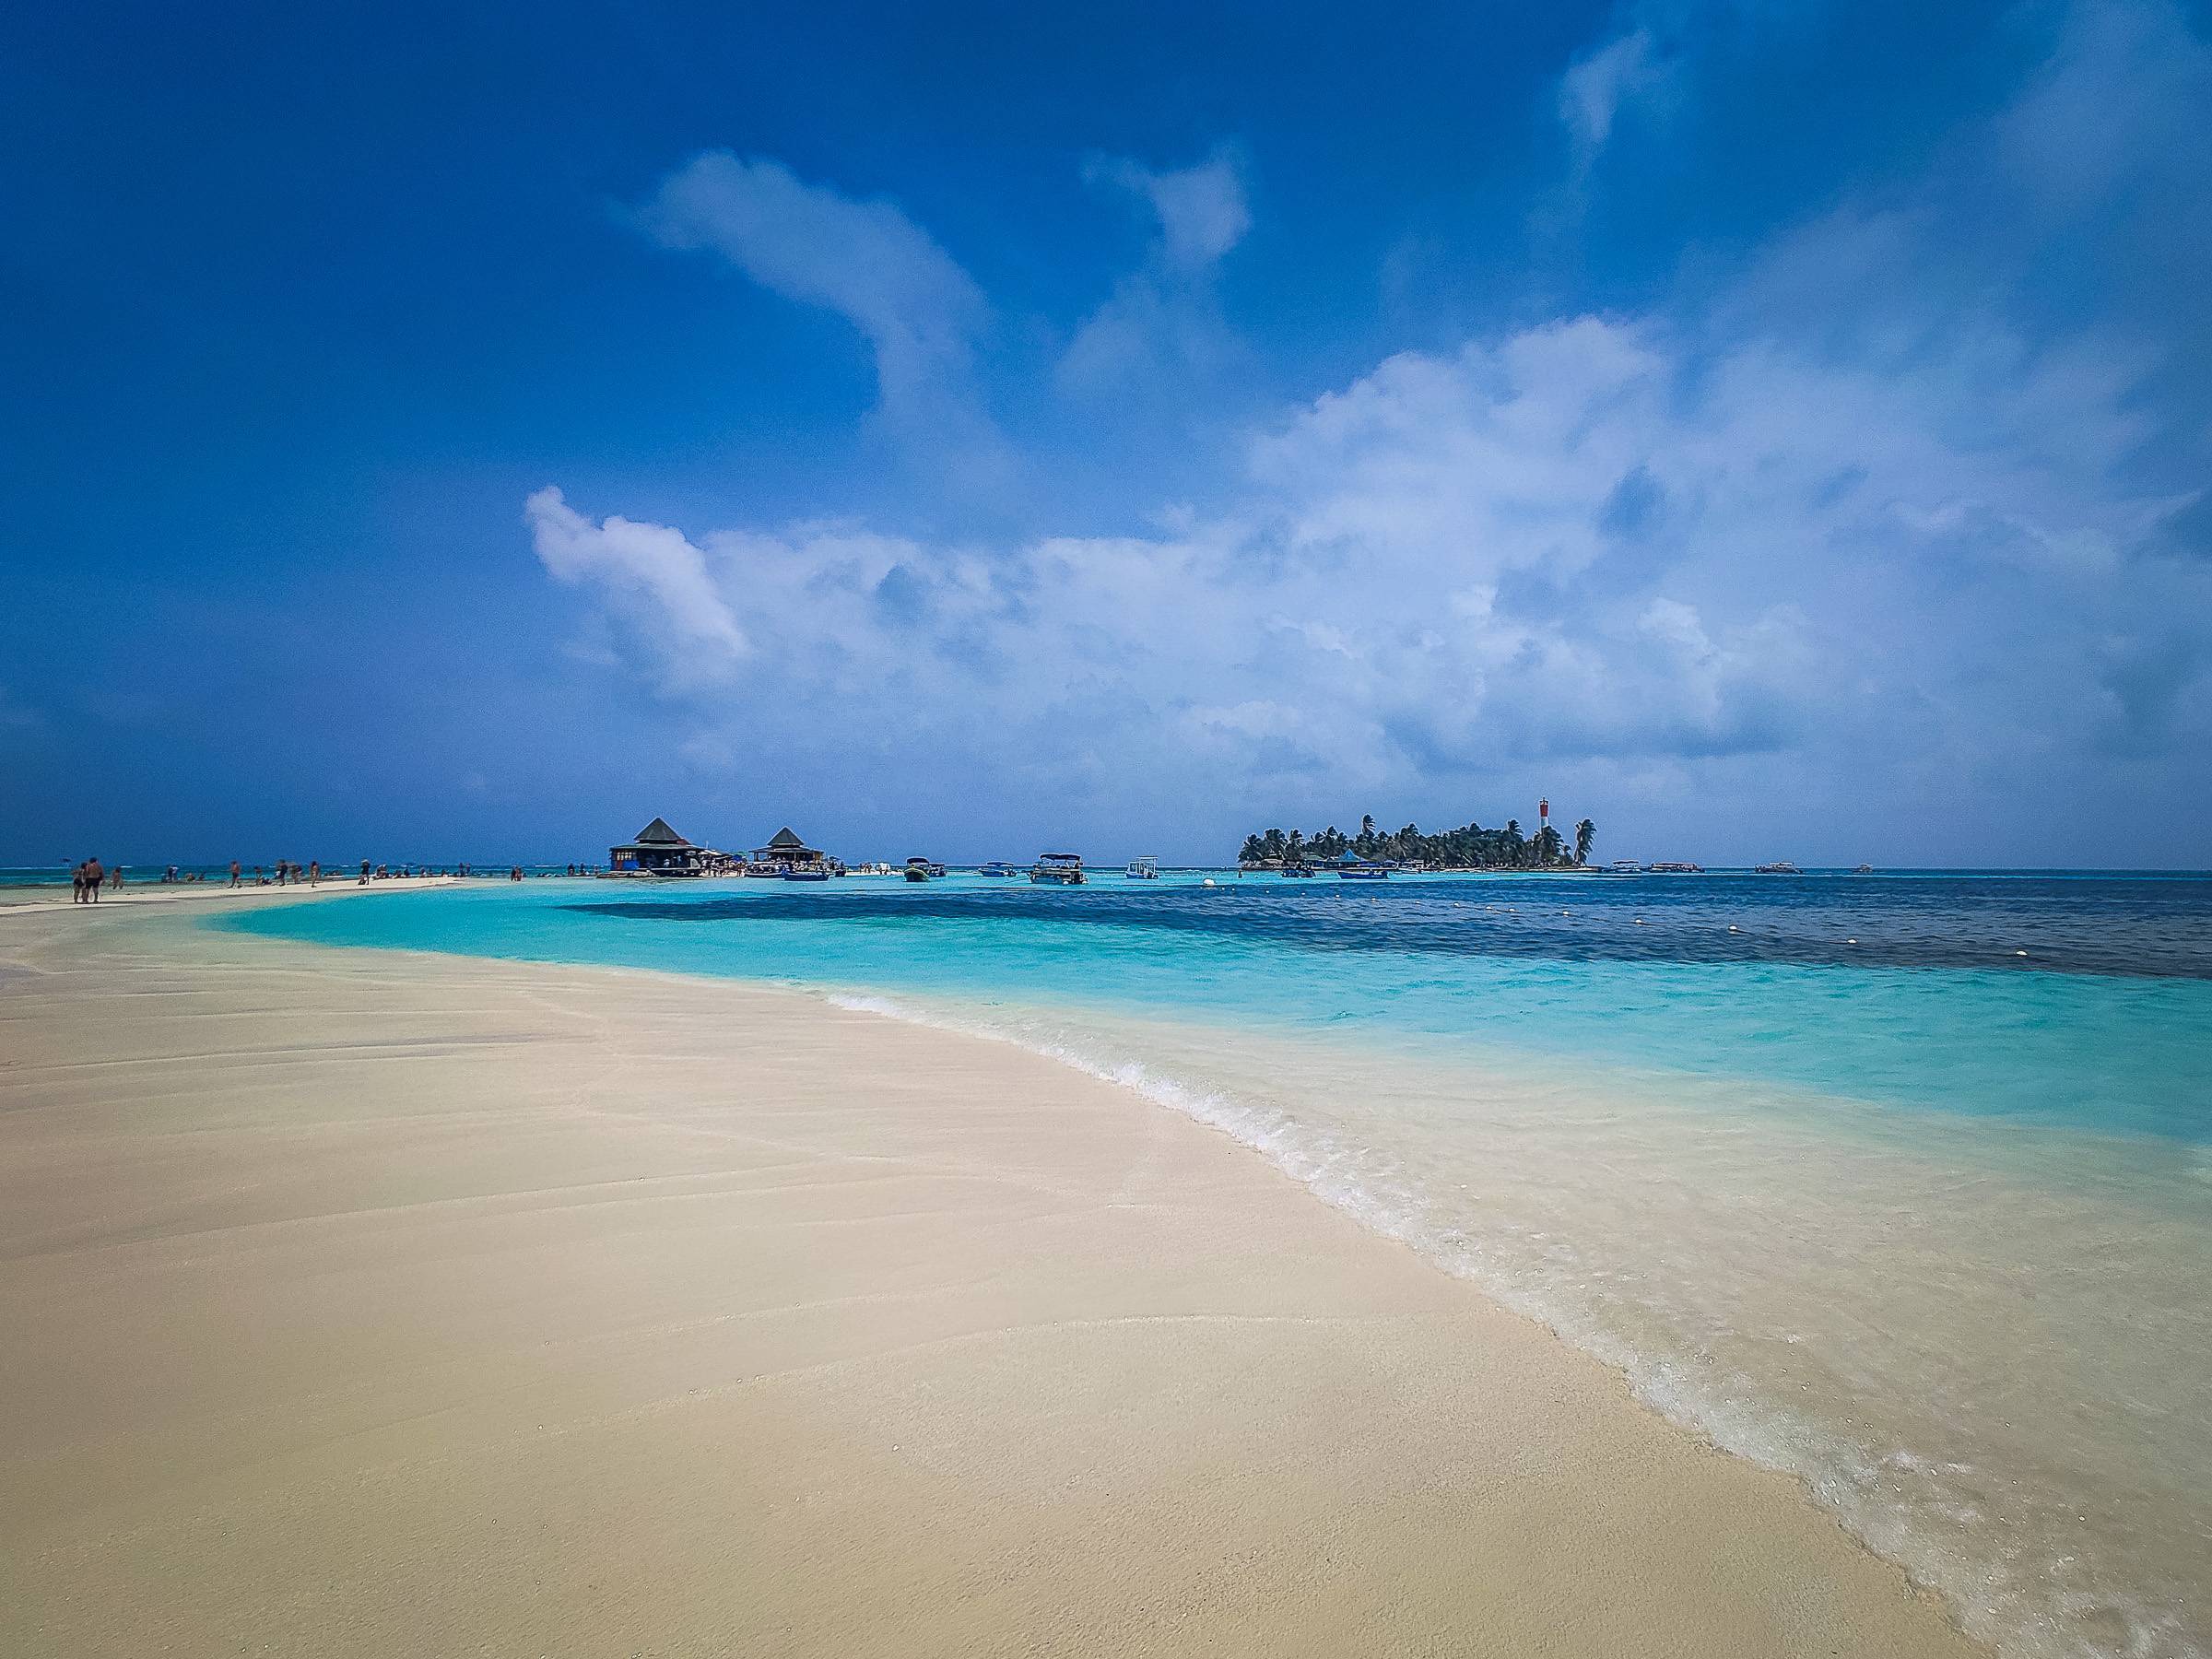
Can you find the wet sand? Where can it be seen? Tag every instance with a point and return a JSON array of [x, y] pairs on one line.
[[372, 1304]]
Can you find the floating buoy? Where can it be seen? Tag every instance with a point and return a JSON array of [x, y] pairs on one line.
[[1732, 927], [1209, 881], [1640, 921], [1851, 941], [2019, 953]]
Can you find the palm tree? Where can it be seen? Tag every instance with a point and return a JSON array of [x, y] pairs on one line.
[[1294, 848], [1585, 833]]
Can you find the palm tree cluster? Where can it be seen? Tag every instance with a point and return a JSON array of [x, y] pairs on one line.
[[1472, 848]]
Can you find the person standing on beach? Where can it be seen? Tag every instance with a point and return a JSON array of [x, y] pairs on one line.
[[115, 878], [234, 871], [364, 872], [94, 876], [76, 884], [314, 872]]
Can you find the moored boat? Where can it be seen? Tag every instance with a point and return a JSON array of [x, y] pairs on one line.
[[1143, 869], [917, 868], [1362, 869], [996, 869], [1057, 870], [1780, 866]]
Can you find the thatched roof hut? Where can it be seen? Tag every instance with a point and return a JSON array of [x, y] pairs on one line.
[[657, 847], [784, 847]]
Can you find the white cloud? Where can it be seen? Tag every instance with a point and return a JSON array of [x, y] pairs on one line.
[[866, 261], [650, 570], [1593, 91], [1201, 209], [1428, 574], [1161, 318]]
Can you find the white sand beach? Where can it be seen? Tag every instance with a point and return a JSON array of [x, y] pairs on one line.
[[55, 895], [371, 1304]]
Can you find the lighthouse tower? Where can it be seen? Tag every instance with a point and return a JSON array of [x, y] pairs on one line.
[[1543, 813]]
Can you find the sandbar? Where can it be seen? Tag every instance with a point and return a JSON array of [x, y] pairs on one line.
[[373, 1304]]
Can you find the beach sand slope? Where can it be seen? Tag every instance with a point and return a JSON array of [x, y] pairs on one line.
[[373, 1304]]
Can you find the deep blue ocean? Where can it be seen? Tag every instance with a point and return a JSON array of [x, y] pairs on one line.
[[1902, 1183]]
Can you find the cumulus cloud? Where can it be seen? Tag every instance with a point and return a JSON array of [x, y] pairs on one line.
[[1424, 575], [1311, 619], [650, 571]]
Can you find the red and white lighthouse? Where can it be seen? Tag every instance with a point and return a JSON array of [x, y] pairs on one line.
[[1543, 813]]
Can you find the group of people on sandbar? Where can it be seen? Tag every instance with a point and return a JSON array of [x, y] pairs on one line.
[[91, 875]]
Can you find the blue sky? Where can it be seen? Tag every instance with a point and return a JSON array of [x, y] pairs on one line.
[[1769, 430]]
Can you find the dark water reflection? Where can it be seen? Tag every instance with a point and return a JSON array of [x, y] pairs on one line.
[[2151, 925]]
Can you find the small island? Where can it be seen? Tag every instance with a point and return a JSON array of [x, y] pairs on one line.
[[1470, 848]]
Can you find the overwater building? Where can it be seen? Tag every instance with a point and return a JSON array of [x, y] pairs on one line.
[[787, 852], [660, 851]]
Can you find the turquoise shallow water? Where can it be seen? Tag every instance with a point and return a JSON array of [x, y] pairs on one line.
[[1902, 1183], [1476, 961]]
